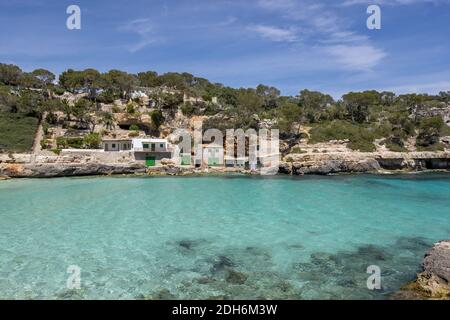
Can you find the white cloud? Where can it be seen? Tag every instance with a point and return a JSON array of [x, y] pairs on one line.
[[276, 4], [326, 30], [354, 57], [390, 2], [345, 37], [274, 33], [144, 29], [429, 87]]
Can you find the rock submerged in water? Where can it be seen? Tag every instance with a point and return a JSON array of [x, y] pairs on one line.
[[221, 263], [236, 277], [162, 294], [434, 281]]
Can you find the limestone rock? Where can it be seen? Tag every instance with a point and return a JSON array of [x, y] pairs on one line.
[[434, 281], [167, 161], [236, 277], [44, 170]]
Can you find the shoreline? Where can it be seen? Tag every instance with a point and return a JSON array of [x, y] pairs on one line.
[[179, 172], [92, 164]]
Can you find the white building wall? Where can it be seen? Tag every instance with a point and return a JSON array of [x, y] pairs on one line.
[[161, 145], [116, 145], [213, 152]]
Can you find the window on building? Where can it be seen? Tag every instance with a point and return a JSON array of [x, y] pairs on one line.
[[161, 145], [113, 145], [146, 145]]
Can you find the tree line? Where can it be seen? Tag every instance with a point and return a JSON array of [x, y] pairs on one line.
[[396, 116]]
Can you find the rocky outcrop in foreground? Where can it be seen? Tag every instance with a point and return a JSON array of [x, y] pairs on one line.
[[89, 164], [66, 170], [434, 280], [359, 162]]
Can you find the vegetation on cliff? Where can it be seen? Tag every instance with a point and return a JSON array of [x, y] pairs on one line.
[[17, 132], [361, 118]]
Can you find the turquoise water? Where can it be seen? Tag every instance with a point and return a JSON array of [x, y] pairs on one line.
[[281, 237]]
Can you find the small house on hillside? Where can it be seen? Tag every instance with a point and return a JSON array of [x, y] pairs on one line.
[[212, 155], [234, 161], [152, 151], [116, 144], [181, 157]]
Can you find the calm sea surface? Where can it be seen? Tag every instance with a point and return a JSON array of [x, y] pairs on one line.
[[232, 237]]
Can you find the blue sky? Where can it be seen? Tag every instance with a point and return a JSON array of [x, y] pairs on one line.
[[291, 44]]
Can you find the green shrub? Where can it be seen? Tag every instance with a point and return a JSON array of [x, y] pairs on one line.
[[445, 131], [211, 109], [336, 130], [107, 96], [362, 146], [56, 151], [429, 132], [395, 147], [381, 130], [360, 137], [433, 147], [92, 141], [45, 128], [131, 108], [297, 150], [51, 118], [157, 119], [44, 144], [395, 143], [188, 109], [70, 142], [58, 91], [17, 132], [116, 109], [133, 134], [134, 127], [76, 143], [61, 142]]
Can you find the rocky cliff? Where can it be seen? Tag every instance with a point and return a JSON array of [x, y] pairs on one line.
[[434, 280], [357, 162]]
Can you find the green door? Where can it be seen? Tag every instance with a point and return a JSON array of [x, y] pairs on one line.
[[185, 160], [213, 161], [150, 161]]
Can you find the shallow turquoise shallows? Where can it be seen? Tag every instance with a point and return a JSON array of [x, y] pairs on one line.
[[218, 237]]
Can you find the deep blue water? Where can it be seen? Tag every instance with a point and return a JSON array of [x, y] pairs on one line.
[[182, 237]]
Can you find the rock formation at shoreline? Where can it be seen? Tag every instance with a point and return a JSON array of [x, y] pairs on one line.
[[358, 162], [85, 163], [434, 280]]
